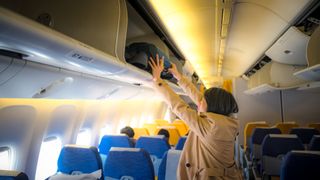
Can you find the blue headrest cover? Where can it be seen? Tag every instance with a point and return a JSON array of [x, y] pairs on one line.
[[132, 162], [109, 141], [276, 144], [305, 134], [77, 158], [155, 145]]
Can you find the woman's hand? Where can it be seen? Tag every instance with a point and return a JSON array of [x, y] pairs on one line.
[[174, 71], [157, 67]]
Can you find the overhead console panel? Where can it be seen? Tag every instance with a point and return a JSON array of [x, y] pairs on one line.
[[290, 48], [312, 72], [274, 76]]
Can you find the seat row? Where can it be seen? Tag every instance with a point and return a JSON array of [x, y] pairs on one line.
[[156, 146], [121, 163], [176, 129], [268, 147], [284, 128]]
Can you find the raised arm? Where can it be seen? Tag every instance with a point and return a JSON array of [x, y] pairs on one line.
[[187, 86], [196, 123]]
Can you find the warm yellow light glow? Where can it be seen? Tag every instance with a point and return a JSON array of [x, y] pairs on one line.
[[195, 26]]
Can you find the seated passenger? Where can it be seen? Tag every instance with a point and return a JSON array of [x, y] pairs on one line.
[[130, 133], [165, 133]]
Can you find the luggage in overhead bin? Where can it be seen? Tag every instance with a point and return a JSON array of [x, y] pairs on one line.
[[138, 54]]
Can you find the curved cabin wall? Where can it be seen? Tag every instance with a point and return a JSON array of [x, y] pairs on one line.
[[34, 120]]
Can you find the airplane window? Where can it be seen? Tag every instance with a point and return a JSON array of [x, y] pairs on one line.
[[167, 115], [84, 137], [5, 158], [107, 129], [48, 157]]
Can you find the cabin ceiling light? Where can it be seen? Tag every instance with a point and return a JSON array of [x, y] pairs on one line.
[[199, 28]]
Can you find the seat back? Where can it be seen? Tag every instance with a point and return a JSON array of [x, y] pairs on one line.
[[140, 132], [274, 147], [301, 165], [162, 122], [174, 134], [314, 143], [128, 163], [12, 175], [257, 138], [109, 141], [179, 121], [79, 159], [315, 125], [152, 127], [156, 146], [169, 165], [305, 134], [181, 142], [249, 129], [181, 128], [286, 127]]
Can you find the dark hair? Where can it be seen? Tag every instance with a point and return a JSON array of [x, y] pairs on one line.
[[164, 132], [128, 131], [220, 101]]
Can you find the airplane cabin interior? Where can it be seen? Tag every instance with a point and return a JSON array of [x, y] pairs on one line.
[[74, 73]]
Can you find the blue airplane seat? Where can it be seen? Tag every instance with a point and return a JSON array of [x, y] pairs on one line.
[[314, 143], [274, 148], [12, 175], [305, 134], [128, 164], [169, 164], [156, 146], [257, 137], [181, 142], [109, 141], [301, 165], [75, 159]]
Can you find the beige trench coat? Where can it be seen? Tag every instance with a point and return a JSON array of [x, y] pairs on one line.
[[209, 149]]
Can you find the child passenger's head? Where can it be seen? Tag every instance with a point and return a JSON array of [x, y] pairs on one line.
[[220, 101], [128, 131]]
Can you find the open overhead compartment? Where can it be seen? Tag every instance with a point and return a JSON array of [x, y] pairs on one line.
[[312, 72], [274, 76], [42, 44]]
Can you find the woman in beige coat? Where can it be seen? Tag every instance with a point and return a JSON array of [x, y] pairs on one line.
[[209, 149]]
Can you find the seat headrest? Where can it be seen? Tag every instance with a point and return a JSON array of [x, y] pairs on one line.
[[79, 158], [109, 141], [155, 145], [305, 134], [7, 175], [315, 143], [301, 165], [279, 144], [259, 134], [181, 142], [130, 162]]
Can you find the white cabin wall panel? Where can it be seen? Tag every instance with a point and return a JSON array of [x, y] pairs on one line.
[[17, 125], [302, 106], [29, 81], [62, 123], [4, 63], [262, 107]]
